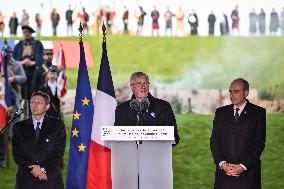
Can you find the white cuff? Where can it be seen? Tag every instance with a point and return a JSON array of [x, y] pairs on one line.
[[243, 166], [221, 163], [43, 170]]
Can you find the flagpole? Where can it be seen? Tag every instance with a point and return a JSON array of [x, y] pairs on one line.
[[104, 32], [80, 32]]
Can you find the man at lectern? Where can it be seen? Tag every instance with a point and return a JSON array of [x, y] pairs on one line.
[[143, 109]]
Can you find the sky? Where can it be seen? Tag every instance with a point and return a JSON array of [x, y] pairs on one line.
[[202, 8]]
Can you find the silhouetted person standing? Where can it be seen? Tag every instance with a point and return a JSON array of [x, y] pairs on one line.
[[125, 20], [69, 20], [235, 20], [13, 24], [282, 21], [261, 22], [252, 22], [155, 21], [140, 14], [38, 20], [211, 21], [86, 23], [274, 22], [179, 22], [193, 22], [224, 25], [54, 16], [25, 18], [169, 23]]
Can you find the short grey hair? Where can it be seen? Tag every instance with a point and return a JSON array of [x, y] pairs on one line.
[[138, 74], [244, 82]]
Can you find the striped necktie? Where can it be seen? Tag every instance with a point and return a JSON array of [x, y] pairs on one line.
[[237, 114]]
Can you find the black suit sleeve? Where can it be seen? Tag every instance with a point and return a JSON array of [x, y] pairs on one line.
[[54, 157], [258, 141], [170, 116], [35, 80], [21, 158], [215, 140], [118, 117]]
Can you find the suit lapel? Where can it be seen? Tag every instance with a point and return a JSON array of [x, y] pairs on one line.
[[245, 112], [44, 127], [231, 114], [31, 129]]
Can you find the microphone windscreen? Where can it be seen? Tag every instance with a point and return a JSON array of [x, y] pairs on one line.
[[135, 105], [144, 104]]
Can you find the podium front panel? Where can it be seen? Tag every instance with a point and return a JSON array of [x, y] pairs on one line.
[[155, 165], [124, 165]]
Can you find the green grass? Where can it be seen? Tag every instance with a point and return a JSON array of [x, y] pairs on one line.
[[196, 62], [193, 62], [192, 160]]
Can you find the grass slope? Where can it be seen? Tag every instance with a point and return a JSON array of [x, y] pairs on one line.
[[193, 62], [192, 160]]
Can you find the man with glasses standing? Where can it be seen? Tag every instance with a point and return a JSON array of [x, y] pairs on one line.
[[238, 140], [157, 112]]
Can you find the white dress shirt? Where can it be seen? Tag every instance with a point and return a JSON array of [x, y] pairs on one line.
[[53, 86], [241, 108], [35, 122]]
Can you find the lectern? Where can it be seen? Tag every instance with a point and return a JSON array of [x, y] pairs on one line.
[[141, 156]]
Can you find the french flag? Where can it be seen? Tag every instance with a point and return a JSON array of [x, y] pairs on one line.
[[99, 165], [62, 77], [2, 93]]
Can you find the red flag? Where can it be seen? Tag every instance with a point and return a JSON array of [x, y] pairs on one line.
[[2, 94], [99, 165], [62, 78]]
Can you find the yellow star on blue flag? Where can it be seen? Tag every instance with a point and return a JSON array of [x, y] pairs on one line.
[[85, 101], [81, 130]]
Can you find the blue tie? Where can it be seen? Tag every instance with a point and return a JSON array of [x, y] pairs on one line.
[[37, 130]]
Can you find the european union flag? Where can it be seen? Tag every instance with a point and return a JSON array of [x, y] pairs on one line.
[[81, 128]]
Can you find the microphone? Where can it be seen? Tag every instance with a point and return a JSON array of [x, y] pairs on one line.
[[144, 104], [19, 112], [135, 105]]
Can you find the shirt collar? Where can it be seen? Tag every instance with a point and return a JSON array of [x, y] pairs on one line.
[[35, 122], [241, 107]]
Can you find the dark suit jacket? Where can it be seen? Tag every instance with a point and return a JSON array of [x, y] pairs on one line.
[[240, 142], [39, 77], [159, 114], [54, 110], [47, 152]]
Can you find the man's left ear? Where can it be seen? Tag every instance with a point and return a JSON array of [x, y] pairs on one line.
[[47, 107], [247, 93]]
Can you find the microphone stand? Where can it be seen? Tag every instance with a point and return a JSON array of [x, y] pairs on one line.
[[8, 123], [137, 143]]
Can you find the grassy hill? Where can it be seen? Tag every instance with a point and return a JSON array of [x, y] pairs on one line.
[[192, 160], [193, 62]]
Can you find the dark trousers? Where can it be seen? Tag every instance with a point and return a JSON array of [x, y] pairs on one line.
[[3, 148]]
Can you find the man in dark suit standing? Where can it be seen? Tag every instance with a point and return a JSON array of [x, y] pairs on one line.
[[38, 146], [237, 140]]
